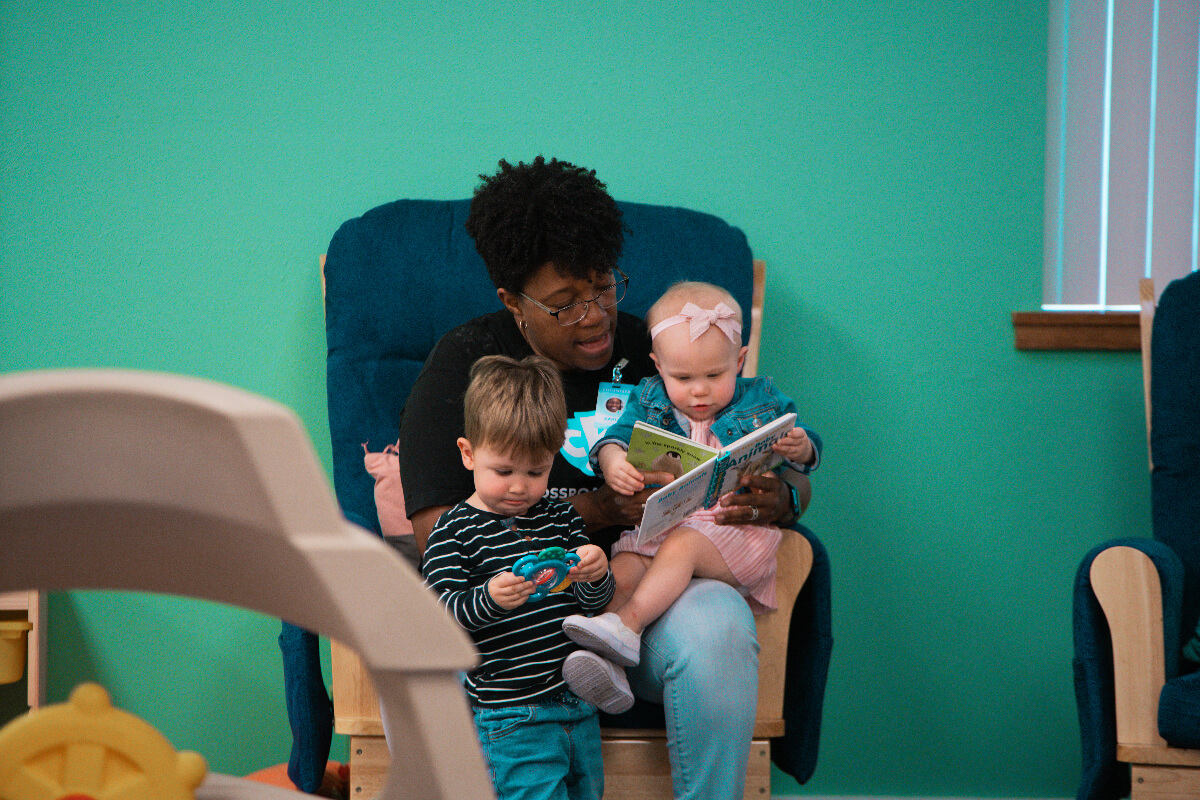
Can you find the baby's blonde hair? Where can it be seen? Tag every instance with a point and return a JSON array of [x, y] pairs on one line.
[[680, 293], [515, 406], [705, 295]]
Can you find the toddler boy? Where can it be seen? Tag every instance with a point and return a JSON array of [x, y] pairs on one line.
[[535, 734]]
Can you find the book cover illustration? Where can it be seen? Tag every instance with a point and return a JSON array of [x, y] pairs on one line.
[[655, 450]]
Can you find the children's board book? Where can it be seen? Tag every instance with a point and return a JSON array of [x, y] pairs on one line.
[[702, 474]]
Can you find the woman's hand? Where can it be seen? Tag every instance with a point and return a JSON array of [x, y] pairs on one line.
[[592, 566], [603, 507], [510, 591], [767, 499]]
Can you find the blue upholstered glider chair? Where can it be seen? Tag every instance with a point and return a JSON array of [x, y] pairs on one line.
[[1137, 601], [399, 277]]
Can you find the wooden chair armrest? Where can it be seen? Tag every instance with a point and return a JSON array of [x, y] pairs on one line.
[[1126, 583], [795, 560]]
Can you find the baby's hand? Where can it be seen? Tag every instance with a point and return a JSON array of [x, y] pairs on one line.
[[796, 446], [510, 591], [592, 566], [624, 478], [619, 474]]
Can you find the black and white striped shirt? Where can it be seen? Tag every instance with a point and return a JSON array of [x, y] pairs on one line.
[[522, 650]]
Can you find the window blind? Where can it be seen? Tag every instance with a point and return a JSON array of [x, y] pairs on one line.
[[1122, 152]]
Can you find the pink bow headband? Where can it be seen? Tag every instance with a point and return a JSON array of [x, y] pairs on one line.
[[701, 319]]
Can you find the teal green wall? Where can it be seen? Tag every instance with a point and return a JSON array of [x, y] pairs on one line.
[[171, 175]]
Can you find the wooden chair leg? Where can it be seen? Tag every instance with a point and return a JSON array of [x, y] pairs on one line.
[[639, 769], [368, 765], [1156, 782], [758, 771]]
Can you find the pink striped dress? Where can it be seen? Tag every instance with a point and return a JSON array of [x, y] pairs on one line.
[[748, 550]]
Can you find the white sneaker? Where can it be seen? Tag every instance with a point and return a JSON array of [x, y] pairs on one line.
[[606, 635], [598, 681]]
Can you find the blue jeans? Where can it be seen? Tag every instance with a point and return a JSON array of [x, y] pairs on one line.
[[700, 661], [549, 751]]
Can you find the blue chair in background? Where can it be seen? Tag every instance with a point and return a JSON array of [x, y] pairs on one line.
[[1137, 601]]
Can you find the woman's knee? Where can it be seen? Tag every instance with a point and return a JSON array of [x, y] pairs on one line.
[[709, 628]]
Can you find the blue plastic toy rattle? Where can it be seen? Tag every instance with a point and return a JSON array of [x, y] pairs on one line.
[[548, 570]]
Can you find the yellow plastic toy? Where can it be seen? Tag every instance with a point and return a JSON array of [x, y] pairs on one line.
[[85, 749], [13, 643]]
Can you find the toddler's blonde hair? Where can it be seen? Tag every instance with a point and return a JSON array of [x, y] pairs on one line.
[[515, 406]]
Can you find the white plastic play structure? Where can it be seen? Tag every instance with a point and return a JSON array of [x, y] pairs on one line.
[[157, 483]]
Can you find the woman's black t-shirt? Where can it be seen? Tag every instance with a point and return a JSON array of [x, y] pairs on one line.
[[432, 420]]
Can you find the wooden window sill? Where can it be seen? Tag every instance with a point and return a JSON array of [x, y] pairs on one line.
[[1076, 330]]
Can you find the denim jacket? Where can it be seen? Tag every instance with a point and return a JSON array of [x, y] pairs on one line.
[[756, 402]]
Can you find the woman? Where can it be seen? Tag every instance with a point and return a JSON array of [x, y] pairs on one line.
[[550, 236]]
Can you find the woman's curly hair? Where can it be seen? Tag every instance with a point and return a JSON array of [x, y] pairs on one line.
[[547, 211]]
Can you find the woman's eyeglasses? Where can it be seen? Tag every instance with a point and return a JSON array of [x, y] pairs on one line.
[[607, 297]]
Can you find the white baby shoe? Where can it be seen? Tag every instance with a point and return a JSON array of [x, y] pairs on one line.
[[598, 681], [606, 635]]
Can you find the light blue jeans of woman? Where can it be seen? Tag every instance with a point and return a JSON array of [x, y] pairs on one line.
[[549, 751], [700, 661]]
